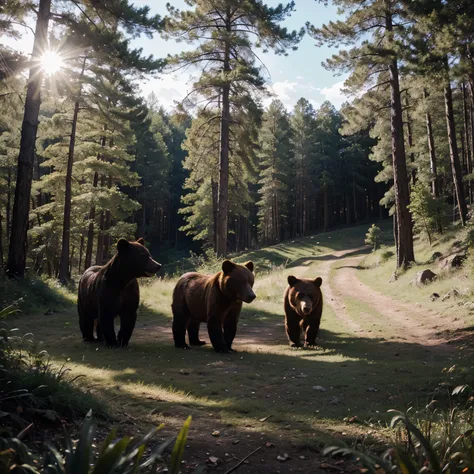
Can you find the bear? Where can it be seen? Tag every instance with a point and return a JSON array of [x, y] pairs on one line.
[[112, 289], [303, 302], [212, 299]]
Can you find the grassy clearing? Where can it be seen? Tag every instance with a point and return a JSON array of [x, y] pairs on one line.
[[379, 270], [266, 390]]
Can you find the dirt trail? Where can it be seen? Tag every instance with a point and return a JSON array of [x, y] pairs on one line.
[[409, 323]]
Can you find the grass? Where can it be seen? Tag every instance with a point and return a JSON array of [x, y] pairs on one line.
[[379, 271], [266, 389]]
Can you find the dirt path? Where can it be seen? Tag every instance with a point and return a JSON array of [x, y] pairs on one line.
[[403, 322]]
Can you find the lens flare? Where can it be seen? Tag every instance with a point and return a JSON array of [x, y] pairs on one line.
[[51, 62]]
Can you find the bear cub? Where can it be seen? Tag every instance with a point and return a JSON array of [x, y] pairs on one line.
[[212, 299], [303, 309], [112, 290]]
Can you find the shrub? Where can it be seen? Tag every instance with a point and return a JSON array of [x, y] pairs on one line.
[[429, 213], [441, 441], [29, 379], [372, 237], [119, 456]]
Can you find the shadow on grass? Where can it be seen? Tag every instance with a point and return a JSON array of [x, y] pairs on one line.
[[328, 257], [34, 294], [359, 375]]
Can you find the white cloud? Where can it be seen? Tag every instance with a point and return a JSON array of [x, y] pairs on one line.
[[290, 92], [168, 88], [334, 94]]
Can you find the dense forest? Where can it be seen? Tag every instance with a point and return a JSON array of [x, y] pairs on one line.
[[85, 159]]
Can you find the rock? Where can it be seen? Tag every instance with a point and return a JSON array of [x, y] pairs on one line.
[[319, 388], [283, 458], [450, 294], [213, 459], [453, 261], [435, 256], [434, 296], [423, 277], [216, 433]]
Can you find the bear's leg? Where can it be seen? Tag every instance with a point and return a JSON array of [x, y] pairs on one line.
[[311, 333], [128, 318], [106, 321], [193, 333], [230, 327], [100, 337], [86, 323], [293, 331], [128, 312], [181, 319], [214, 328]]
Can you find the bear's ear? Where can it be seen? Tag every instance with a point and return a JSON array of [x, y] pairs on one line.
[[227, 266], [122, 245], [249, 265], [292, 280], [318, 282], [141, 241]]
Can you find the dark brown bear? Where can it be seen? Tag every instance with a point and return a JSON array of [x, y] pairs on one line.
[[212, 299], [111, 290], [303, 309]]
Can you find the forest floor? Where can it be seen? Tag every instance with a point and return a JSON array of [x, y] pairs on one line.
[[382, 345]]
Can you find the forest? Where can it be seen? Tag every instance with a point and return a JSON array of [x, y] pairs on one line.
[[86, 159]]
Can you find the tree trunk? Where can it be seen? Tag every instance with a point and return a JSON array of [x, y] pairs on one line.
[[432, 150], [64, 261], [410, 141], [405, 253], [9, 200], [215, 192], [90, 231], [326, 210], [1, 240], [223, 196], [19, 227], [467, 133], [453, 150]]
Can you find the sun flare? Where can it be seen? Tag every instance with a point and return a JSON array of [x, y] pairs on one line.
[[51, 62]]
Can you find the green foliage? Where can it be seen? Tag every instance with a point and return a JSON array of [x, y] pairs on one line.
[[429, 213], [122, 456], [441, 441], [30, 380], [372, 237]]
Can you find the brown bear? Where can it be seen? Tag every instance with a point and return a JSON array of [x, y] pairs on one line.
[[110, 290], [212, 299], [303, 309]]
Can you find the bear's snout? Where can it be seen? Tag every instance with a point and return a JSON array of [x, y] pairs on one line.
[[306, 307], [250, 297], [153, 268]]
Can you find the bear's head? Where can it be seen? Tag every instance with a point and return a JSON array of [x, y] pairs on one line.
[[237, 281], [304, 294], [136, 259]]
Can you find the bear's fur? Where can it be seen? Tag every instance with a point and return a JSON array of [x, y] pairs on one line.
[[212, 299], [303, 309], [110, 290]]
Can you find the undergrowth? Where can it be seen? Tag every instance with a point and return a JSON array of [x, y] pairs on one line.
[[33, 387]]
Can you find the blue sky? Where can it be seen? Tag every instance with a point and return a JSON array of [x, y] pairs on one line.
[[300, 74]]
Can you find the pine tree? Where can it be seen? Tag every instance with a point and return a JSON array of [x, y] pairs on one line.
[[227, 33], [374, 30], [275, 172], [97, 27]]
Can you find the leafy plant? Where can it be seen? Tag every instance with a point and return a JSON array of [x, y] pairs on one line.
[[429, 213], [441, 442], [120, 456], [372, 237]]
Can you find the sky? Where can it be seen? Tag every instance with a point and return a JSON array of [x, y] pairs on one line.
[[300, 74]]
